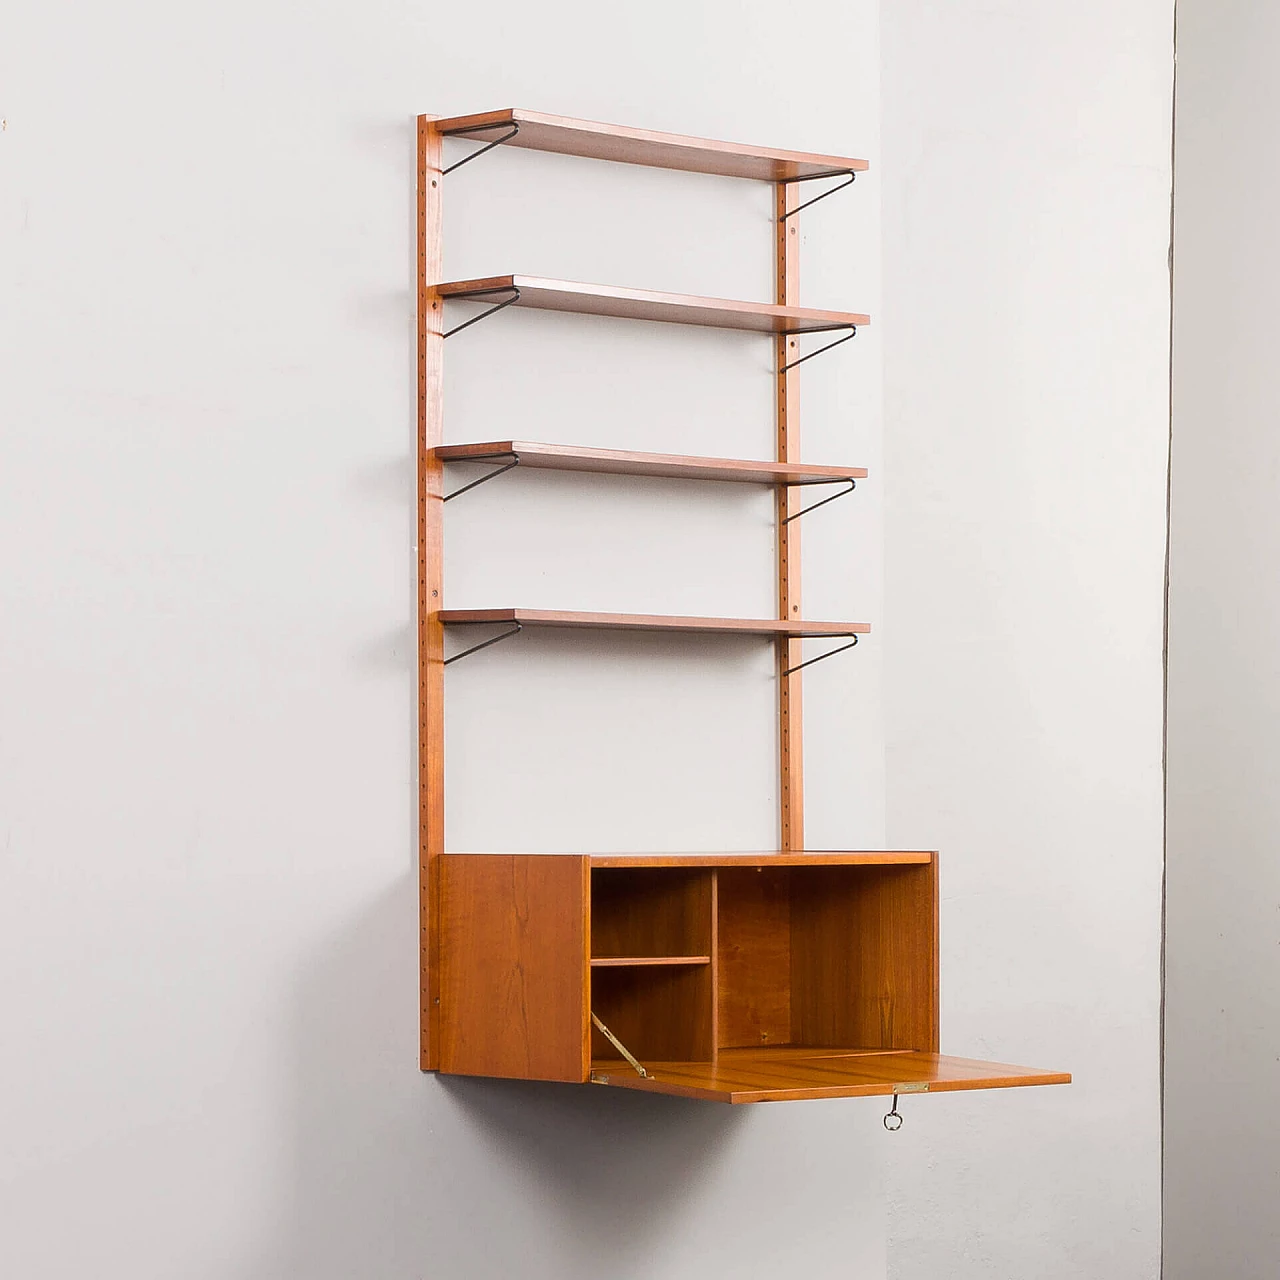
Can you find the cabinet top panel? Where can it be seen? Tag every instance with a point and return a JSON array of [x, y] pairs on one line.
[[869, 858], [822, 858]]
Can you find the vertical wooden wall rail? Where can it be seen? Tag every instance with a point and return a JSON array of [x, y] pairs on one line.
[[790, 721], [430, 581]]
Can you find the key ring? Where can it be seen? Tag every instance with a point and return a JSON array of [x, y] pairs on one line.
[[894, 1116]]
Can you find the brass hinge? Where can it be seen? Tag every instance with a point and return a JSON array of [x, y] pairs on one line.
[[893, 1121], [617, 1044]]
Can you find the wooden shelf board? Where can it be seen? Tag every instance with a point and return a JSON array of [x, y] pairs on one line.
[[540, 132], [635, 962], [646, 304], [772, 1055], [820, 858], [763, 1075], [563, 457], [795, 629]]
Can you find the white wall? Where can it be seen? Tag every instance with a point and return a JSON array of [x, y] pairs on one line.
[[1222, 1170], [206, 651], [207, 830], [1026, 162]]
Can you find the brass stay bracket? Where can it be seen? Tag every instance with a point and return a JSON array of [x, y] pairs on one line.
[[621, 1048]]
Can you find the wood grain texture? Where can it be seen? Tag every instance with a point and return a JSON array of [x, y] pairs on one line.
[[759, 1078], [620, 462], [657, 1012], [864, 958], [430, 586], [754, 950], [541, 132], [651, 622], [645, 912], [646, 304], [514, 965]]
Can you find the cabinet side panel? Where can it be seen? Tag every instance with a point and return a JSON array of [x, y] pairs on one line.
[[932, 1016], [513, 966], [864, 957]]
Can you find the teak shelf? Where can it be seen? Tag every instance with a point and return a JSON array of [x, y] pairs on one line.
[[654, 622], [540, 132], [732, 977], [645, 304], [619, 462]]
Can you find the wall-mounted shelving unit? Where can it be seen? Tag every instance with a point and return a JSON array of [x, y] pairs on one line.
[[736, 977]]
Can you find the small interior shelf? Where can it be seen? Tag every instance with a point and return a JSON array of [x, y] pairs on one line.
[[632, 962], [788, 627], [539, 132], [646, 304], [619, 462]]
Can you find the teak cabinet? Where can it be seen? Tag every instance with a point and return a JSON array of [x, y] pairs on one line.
[[736, 978], [729, 977]]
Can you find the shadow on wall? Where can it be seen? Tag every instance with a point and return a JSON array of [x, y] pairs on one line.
[[393, 1174]]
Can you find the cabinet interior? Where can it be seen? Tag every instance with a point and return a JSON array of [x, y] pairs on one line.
[[762, 957]]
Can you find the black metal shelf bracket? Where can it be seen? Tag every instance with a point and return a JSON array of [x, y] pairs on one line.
[[849, 176], [791, 364], [822, 657], [515, 630], [492, 475], [484, 315], [804, 511], [488, 146]]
